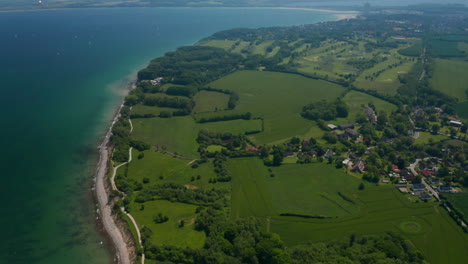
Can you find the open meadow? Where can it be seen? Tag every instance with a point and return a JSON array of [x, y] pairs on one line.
[[355, 100], [169, 233], [278, 98], [179, 134], [450, 78], [312, 189]]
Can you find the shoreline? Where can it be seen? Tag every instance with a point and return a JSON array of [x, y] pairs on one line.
[[190, 7], [112, 230], [110, 225]]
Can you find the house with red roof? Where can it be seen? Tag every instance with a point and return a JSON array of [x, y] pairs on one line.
[[251, 149]]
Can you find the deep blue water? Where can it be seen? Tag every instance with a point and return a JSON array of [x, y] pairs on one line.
[[63, 72]]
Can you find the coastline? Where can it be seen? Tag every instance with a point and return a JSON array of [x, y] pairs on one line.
[[111, 227], [350, 12]]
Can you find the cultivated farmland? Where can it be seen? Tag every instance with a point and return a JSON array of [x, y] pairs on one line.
[[278, 98]]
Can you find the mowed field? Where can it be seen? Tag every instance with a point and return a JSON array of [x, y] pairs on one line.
[[451, 78], [355, 100], [426, 225], [459, 201], [206, 101], [278, 98], [312, 189], [179, 134], [169, 233], [161, 168], [378, 208]]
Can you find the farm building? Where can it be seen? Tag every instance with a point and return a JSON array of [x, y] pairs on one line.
[[252, 149], [345, 126], [352, 133], [456, 123], [331, 126]]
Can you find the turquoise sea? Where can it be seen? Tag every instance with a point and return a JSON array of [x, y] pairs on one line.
[[63, 73]]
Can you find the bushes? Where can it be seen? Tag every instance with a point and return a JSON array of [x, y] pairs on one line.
[[245, 116], [325, 110]]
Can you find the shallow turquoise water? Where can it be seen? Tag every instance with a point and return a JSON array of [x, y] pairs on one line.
[[63, 73]]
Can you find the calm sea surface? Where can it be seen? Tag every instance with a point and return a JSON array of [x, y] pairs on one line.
[[62, 75]]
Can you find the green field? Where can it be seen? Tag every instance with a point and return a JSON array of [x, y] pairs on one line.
[[427, 226], [234, 127], [176, 134], [459, 201], [142, 110], [249, 196], [163, 168], [278, 98], [355, 100], [179, 134], [206, 101], [169, 233], [450, 78], [426, 138], [312, 189], [223, 44]]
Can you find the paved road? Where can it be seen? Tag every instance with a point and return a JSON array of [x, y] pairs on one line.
[[429, 187]]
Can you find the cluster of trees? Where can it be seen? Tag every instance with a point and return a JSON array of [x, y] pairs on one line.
[[363, 64], [186, 91], [219, 164], [166, 101], [325, 110], [160, 218], [455, 213], [192, 65], [226, 139], [179, 193], [226, 117]]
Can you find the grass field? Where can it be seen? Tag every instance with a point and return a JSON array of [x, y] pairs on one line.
[[156, 165], [385, 209], [140, 109], [312, 189], [235, 127], [459, 201], [426, 138], [278, 98], [169, 233], [206, 101], [249, 196], [301, 189], [355, 100], [223, 44], [462, 109], [176, 134], [179, 134], [450, 78]]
